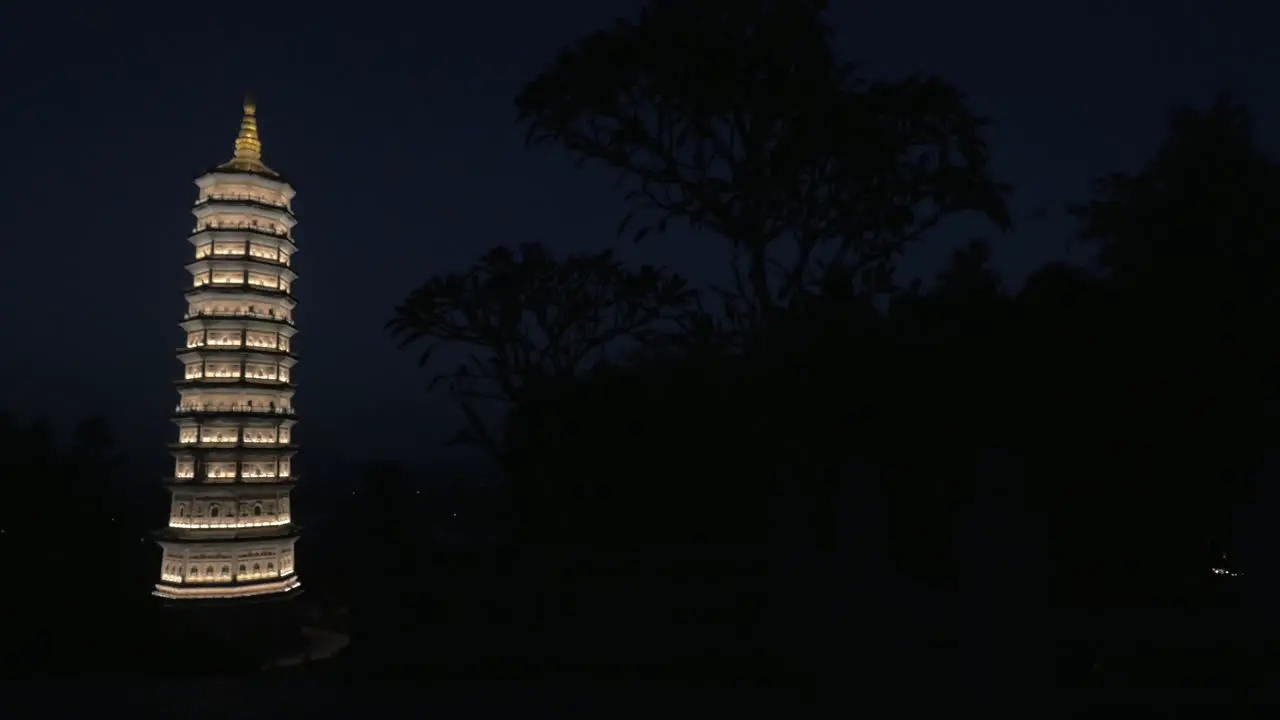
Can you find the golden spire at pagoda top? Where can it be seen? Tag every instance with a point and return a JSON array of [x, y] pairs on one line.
[[248, 155]]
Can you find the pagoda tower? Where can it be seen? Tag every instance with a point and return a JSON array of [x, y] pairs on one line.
[[230, 532]]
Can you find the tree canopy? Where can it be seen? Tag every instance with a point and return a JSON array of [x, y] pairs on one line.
[[738, 118], [1120, 410], [521, 316]]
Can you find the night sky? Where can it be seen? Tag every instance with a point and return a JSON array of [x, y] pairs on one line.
[[396, 127]]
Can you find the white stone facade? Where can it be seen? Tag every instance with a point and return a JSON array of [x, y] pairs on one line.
[[230, 532]]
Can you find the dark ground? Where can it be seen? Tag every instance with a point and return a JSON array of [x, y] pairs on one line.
[[1175, 663]]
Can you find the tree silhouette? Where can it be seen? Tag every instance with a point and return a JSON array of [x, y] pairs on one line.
[[1103, 422], [92, 461], [523, 316], [1187, 389], [966, 299], [65, 522], [27, 452], [385, 546], [78, 479], [738, 118], [1202, 211], [382, 514]]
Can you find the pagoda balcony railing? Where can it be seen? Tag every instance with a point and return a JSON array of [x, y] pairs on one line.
[[216, 380], [212, 483], [237, 315], [241, 283], [231, 445], [229, 477], [227, 408], [268, 290], [229, 523], [243, 581], [237, 348], [243, 197], [260, 229], [240, 257]]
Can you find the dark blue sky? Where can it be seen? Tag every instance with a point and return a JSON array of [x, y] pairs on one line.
[[396, 127]]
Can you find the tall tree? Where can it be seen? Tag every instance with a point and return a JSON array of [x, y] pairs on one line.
[[737, 117], [522, 316], [1200, 221], [92, 464], [1186, 393], [74, 482]]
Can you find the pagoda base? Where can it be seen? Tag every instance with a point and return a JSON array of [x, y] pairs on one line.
[[203, 594]]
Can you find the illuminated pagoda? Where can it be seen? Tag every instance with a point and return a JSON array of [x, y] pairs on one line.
[[230, 534]]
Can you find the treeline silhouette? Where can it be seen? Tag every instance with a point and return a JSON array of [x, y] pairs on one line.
[[777, 468], [78, 530], [77, 550]]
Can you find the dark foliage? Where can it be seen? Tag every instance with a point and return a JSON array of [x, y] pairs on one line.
[[77, 539], [822, 488], [737, 118], [76, 549], [518, 317]]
